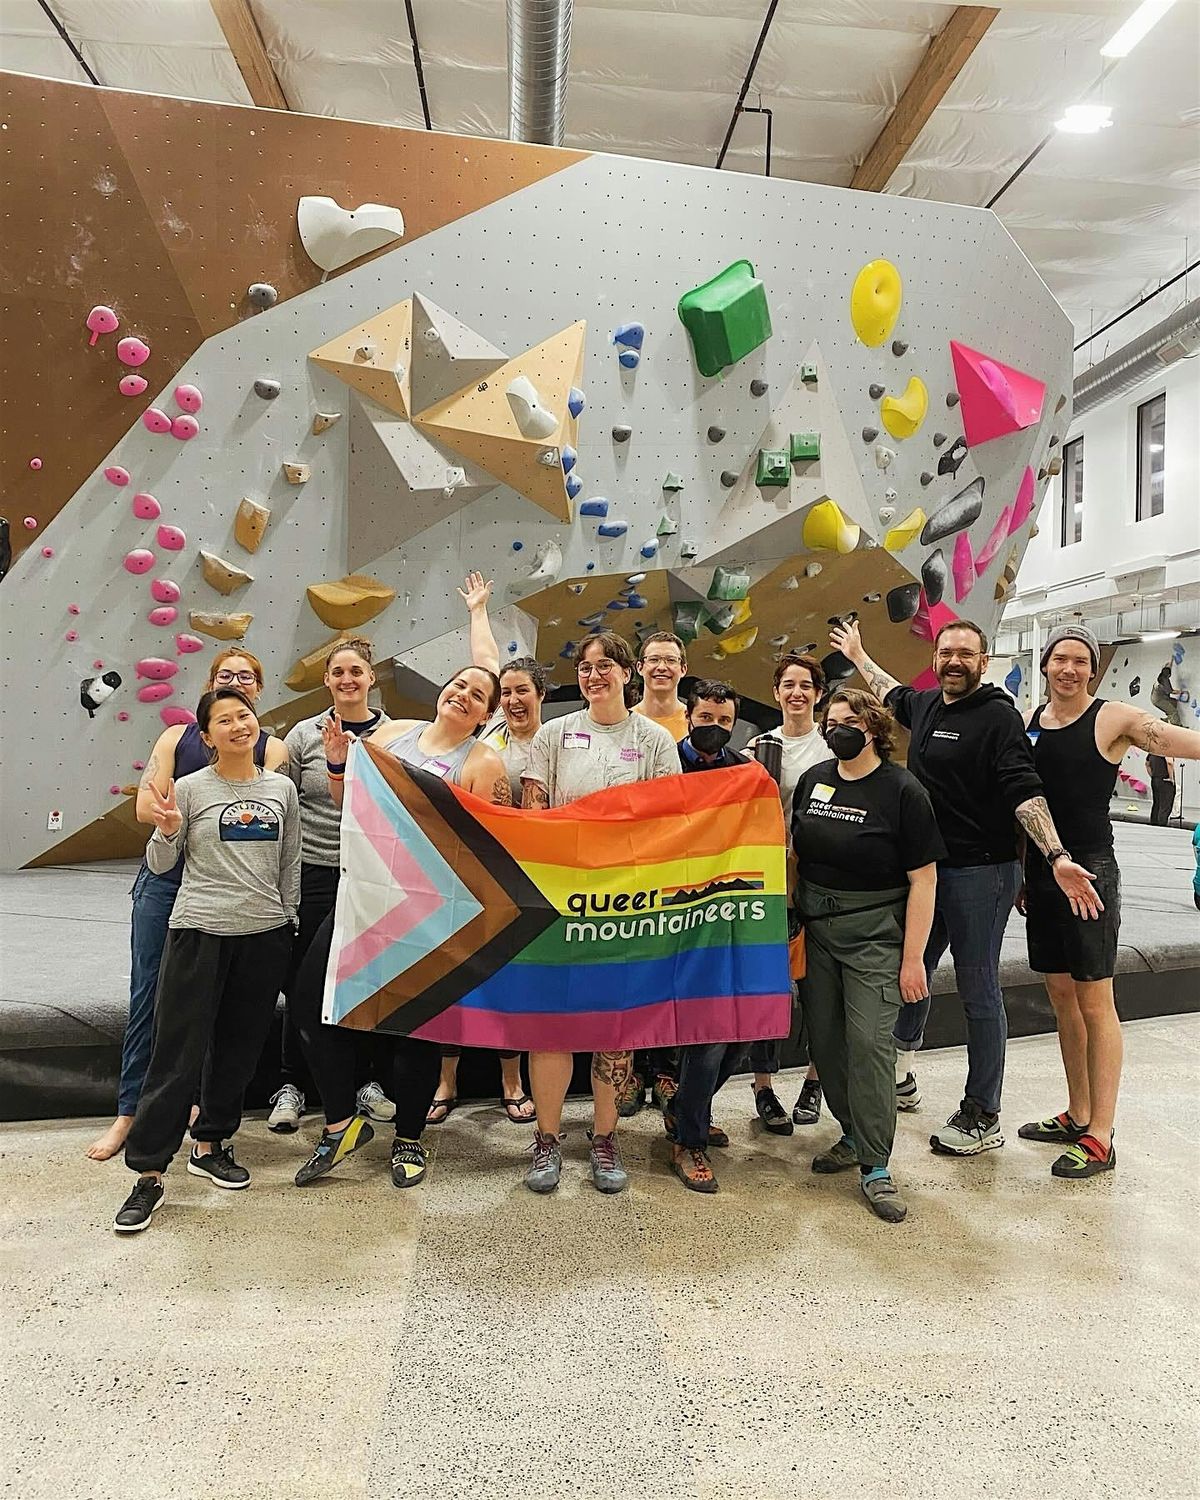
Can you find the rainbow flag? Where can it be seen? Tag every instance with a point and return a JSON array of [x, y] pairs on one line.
[[650, 915]]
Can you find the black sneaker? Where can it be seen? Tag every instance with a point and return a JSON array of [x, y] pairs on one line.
[[807, 1109], [408, 1162], [219, 1167], [134, 1214], [772, 1113]]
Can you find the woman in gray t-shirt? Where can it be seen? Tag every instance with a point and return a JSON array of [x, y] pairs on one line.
[[600, 746], [227, 951]]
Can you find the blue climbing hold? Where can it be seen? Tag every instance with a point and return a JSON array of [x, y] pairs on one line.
[[594, 508], [629, 359], [512, 648], [576, 401], [569, 458], [591, 567], [589, 622], [574, 485], [630, 335], [616, 604], [650, 549], [517, 546], [568, 650], [1013, 681], [636, 601], [612, 528]]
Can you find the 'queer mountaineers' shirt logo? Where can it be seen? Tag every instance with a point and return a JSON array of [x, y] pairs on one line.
[[249, 822]]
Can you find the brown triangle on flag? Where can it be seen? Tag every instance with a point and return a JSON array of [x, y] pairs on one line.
[[479, 422], [375, 357]]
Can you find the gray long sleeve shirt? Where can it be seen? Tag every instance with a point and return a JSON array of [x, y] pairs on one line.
[[241, 845]]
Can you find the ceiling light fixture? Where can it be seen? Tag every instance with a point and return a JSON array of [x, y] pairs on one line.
[[1085, 119], [1160, 635], [1125, 39]]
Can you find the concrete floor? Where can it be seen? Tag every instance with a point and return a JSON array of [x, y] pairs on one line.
[[1018, 1338]]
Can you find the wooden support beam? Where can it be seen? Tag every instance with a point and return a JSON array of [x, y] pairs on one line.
[[937, 70], [236, 20]]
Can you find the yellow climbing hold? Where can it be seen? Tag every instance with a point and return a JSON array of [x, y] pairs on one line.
[[875, 302], [902, 415], [733, 645], [826, 529], [741, 611], [906, 531]]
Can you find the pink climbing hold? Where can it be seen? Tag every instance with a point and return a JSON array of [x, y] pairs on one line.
[[188, 398], [154, 420], [995, 541], [163, 614], [35, 464], [165, 591], [115, 474], [996, 398], [30, 523], [157, 668], [123, 717], [930, 618], [963, 567], [925, 680], [132, 385], [171, 538], [186, 644], [1023, 504], [101, 320], [133, 352], [184, 428], [139, 765], [155, 692], [114, 790], [47, 551], [173, 716], [71, 635], [72, 609], [97, 665], [138, 561], [145, 507]]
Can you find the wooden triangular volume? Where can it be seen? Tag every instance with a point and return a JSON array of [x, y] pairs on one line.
[[375, 357], [447, 356], [480, 423]]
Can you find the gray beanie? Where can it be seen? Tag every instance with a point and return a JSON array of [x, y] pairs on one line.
[[1075, 632]]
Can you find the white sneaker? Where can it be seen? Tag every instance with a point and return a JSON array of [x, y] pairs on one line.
[[375, 1104], [967, 1132], [286, 1108], [908, 1095]]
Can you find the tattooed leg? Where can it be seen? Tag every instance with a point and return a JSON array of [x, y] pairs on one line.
[[610, 1074]]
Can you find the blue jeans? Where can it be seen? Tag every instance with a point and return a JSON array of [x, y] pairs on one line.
[[969, 918], [153, 902], [702, 1070]]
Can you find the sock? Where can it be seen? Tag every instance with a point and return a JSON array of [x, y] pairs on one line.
[[904, 1065], [873, 1174], [848, 1140]]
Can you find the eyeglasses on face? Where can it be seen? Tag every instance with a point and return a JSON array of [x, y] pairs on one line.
[[662, 661], [950, 654], [600, 668], [245, 678]]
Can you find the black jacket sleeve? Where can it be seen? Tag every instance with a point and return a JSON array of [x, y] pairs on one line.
[[1012, 761]]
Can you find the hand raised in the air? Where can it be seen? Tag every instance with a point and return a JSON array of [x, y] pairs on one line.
[[476, 593], [337, 741], [165, 810]]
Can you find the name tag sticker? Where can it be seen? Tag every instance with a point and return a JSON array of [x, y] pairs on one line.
[[438, 767], [1033, 735], [822, 793], [573, 741]]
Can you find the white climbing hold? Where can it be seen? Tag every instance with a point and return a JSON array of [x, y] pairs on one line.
[[324, 420], [530, 415], [883, 456], [334, 236], [548, 563], [812, 569]]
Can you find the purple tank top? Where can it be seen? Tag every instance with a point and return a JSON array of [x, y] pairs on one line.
[[191, 754]]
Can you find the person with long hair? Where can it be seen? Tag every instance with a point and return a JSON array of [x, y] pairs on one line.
[[179, 751], [231, 927], [867, 847], [602, 745], [448, 747]]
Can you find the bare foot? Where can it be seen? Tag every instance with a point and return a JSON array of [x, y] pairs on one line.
[[107, 1145]]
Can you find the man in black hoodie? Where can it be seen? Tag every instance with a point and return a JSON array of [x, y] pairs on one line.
[[970, 752]]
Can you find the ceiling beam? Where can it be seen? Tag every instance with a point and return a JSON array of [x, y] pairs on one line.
[[236, 20], [943, 62]]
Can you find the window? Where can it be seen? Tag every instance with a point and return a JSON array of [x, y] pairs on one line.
[[1151, 457], [1071, 528]]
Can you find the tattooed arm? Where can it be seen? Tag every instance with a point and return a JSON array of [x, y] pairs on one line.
[[534, 795], [1073, 880], [848, 640], [160, 768], [1120, 726], [485, 776]]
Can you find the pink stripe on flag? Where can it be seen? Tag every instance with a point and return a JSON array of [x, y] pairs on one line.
[[667, 1023]]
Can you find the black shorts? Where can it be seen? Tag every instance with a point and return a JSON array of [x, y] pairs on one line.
[[1059, 942]]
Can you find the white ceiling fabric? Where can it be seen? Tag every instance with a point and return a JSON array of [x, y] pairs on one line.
[[1104, 218]]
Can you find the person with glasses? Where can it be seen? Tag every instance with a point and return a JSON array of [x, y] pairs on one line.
[[600, 746], [178, 752], [970, 753]]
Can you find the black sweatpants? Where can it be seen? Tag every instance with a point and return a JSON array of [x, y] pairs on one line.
[[416, 1065], [1163, 797], [215, 999]]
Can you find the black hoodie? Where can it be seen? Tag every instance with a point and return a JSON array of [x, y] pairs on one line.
[[973, 758]]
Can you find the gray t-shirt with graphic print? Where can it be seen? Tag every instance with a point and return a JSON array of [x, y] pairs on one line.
[[574, 755]]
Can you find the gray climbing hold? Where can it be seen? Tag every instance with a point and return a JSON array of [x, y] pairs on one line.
[[267, 389], [926, 477], [758, 387], [728, 478], [689, 551], [938, 439], [875, 390], [622, 433], [952, 399], [903, 602], [935, 575], [715, 434], [1054, 441], [956, 515], [952, 460], [899, 347], [872, 598], [262, 295], [869, 434]]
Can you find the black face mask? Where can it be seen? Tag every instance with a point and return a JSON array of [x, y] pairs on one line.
[[710, 739], [845, 741]]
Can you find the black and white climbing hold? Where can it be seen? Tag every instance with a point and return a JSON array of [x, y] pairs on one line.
[[728, 478], [621, 433], [903, 602], [956, 515], [952, 460], [93, 691], [758, 387], [715, 434], [935, 575]]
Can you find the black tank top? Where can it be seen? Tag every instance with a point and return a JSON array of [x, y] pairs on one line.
[[1078, 781]]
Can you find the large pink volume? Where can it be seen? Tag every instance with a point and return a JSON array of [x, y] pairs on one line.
[[996, 398]]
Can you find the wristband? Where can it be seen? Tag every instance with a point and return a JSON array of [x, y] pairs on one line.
[[335, 775], [335, 768], [1055, 855]]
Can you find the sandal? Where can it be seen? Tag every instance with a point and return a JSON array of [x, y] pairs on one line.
[[447, 1108], [509, 1105], [694, 1171]]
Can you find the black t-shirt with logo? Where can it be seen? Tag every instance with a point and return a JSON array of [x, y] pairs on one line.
[[863, 835]]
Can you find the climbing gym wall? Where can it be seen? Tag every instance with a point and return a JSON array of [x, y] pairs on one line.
[[285, 378]]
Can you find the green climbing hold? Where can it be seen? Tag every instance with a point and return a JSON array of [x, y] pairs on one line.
[[729, 583], [808, 373], [688, 618], [672, 482], [805, 445], [774, 468], [726, 318], [720, 619], [667, 525]]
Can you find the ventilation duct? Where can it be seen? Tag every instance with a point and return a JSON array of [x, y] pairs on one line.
[[539, 53], [1176, 337]]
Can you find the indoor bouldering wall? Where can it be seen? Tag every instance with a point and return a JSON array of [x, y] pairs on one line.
[[631, 392]]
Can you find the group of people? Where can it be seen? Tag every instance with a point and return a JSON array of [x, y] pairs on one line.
[[888, 867]]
